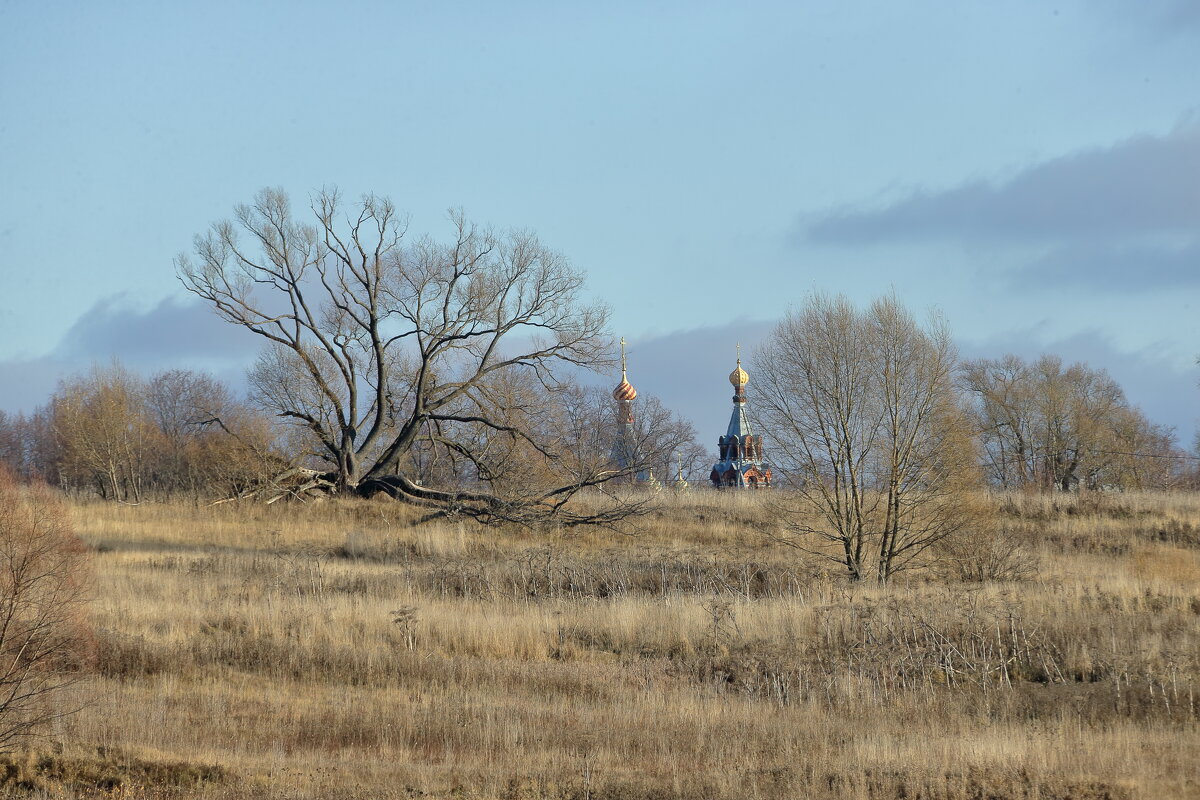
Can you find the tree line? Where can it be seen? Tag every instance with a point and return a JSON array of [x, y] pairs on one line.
[[116, 435], [122, 437], [445, 373], [1041, 425], [1047, 424]]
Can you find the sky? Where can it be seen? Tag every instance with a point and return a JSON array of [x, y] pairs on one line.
[[1030, 170]]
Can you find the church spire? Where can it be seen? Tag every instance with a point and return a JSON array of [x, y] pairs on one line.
[[626, 453], [681, 483], [625, 394], [741, 463]]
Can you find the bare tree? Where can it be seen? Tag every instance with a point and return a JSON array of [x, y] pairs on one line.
[[41, 448], [660, 443], [1136, 453], [868, 431], [377, 343], [668, 444], [927, 455], [208, 442], [813, 391], [43, 640], [105, 436], [1077, 406], [13, 442], [1004, 414]]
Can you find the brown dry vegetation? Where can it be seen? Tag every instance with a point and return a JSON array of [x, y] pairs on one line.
[[344, 651]]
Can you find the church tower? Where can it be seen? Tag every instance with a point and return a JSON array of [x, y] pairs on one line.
[[742, 463], [625, 451]]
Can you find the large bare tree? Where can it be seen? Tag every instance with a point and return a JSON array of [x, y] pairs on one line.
[[378, 343]]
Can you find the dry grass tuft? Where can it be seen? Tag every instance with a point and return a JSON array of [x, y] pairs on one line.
[[103, 773]]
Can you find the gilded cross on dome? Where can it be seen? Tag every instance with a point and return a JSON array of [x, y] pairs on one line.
[[738, 377], [624, 392]]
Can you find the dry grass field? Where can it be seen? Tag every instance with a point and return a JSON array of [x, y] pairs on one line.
[[344, 651]]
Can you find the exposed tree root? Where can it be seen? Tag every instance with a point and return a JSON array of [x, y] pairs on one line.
[[549, 508]]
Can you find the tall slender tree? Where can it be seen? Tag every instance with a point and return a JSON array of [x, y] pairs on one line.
[[869, 432]]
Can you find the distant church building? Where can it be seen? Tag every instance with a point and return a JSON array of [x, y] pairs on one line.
[[626, 452], [741, 464]]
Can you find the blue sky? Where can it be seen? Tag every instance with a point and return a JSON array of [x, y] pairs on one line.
[[1030, 169]]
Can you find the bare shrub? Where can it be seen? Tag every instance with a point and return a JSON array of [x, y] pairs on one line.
[[405, 618], [43, 638], [993, 557]]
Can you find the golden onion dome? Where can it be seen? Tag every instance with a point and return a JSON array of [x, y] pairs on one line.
[[624, 391], [739, 377]]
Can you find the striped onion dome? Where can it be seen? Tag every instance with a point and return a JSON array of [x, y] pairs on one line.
[[624, 392]]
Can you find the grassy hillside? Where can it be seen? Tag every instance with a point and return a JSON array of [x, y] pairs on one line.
[[344, 651]]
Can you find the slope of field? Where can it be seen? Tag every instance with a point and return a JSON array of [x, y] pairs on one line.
[[342, 650]]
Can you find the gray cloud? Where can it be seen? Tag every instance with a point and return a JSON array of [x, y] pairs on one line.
[[1167, 18], [171, 329], [1122, 268], [1142, 186], [26, 384], [167, 335]]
